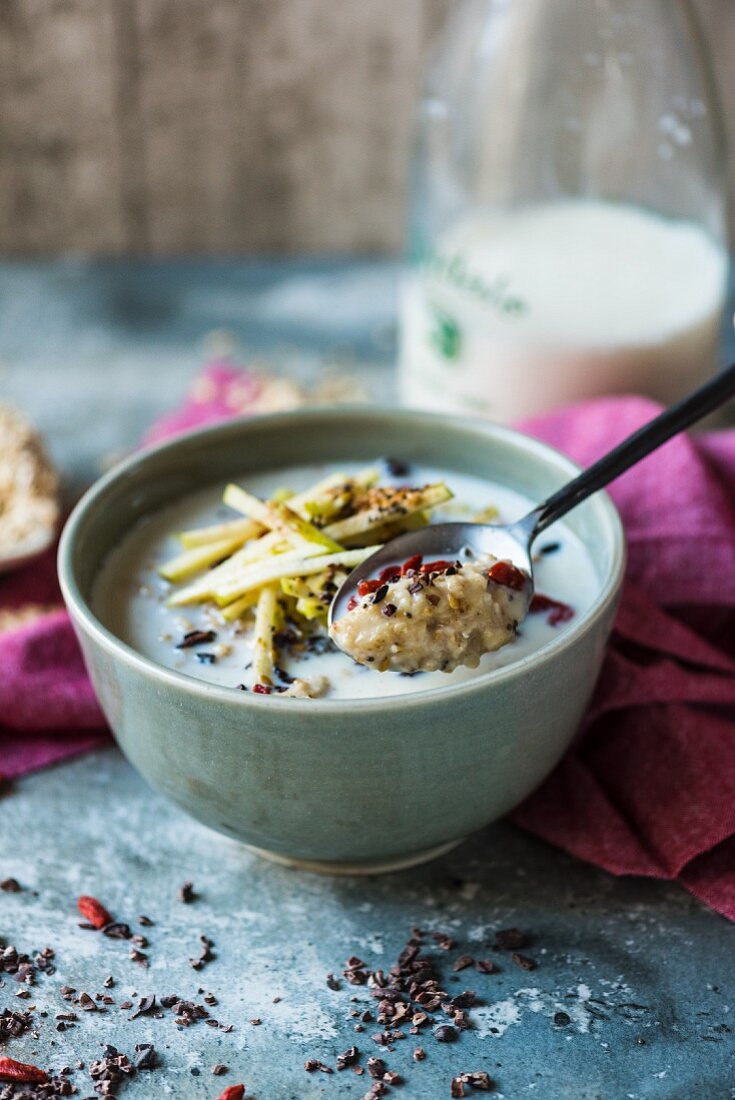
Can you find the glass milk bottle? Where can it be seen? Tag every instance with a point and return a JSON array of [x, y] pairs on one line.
[[567, 226]]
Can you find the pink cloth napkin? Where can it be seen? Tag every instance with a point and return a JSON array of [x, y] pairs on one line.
[[649, 786]]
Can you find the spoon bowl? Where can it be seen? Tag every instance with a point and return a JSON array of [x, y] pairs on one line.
[[455, 541]]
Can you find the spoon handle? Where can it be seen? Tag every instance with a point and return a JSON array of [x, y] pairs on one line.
[[648, 438]]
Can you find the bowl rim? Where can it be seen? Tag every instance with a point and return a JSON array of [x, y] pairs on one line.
[[81, 611]]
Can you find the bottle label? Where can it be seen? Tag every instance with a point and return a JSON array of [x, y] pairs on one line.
[[449, 316]]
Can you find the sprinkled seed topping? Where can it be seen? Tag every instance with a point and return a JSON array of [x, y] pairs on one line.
[[197, 637]]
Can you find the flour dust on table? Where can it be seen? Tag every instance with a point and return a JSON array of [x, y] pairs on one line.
[[244, 604]]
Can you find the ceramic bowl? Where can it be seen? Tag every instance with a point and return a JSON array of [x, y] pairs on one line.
[[339, 785]]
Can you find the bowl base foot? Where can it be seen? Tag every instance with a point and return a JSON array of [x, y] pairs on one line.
[[376, 867]]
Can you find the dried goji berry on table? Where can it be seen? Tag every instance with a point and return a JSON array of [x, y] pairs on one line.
[[232, 1092], [93, 911], [10, 1070]]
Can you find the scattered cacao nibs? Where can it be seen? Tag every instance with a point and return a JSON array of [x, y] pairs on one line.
[[256, 1021], [523, 961], [145, 922], [206, 955], [117, 930], [397, 467], [145, 1006], [126, 1005], [389, 610], [219, 1070], [510, 939], [463, 962], [86, 1003], [443, 941], [13, 1024], [445, 1033], [10, 886], [145, 1056], [110, 1070], [137, 956], [347, 1058], [333, 983], [109, 982], [392, 1078], [377, 1068], [480, 1081], [419, 1055], [312, 1065], [487, 966], [380, 594], [186, 893], [377, 1089], [197, 637]]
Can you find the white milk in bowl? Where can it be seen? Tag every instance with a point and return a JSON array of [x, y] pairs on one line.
[[133, 601], [520, 311]]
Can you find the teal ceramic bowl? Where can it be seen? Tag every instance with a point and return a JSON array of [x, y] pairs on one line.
[[333, 785]]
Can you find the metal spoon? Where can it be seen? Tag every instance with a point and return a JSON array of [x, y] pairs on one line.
[[514, 541]]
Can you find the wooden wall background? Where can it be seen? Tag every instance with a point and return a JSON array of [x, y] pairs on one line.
[[189, 126]]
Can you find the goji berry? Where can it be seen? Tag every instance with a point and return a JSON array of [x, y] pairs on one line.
[[93, 911], [411, 563], [10, 1070], [232, 1092], [558, 612], [364, 588], [436, 566], [389, 574], [506, 574]]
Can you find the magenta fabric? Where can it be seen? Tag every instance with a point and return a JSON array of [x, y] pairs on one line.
[[649, 786]]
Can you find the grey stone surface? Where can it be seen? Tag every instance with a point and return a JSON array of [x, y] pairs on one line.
[[627, 961], [93, 352]]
